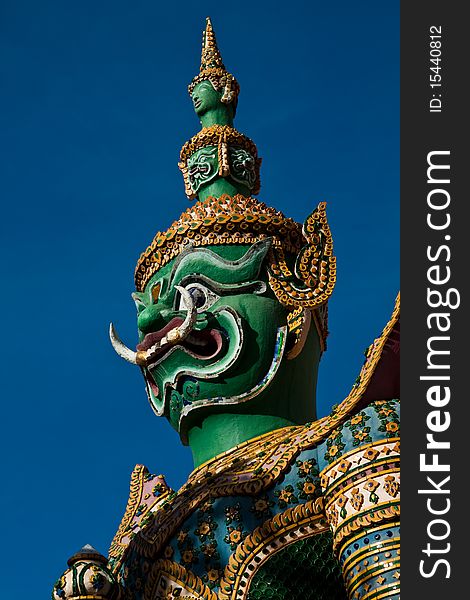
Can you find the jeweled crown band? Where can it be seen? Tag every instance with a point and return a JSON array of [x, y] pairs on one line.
[[216, 221]]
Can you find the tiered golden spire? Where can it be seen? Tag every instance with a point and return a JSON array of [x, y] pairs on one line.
[[213, 69], [210, 57]]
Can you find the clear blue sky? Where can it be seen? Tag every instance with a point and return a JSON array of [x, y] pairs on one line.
[[93, 112]]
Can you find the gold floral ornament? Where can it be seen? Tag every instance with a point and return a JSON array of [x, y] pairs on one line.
[[301, 265], [213, 69]]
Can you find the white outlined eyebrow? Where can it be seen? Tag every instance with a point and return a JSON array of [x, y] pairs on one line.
[[230, 266]]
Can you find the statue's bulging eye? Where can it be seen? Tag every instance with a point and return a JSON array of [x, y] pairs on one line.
[[198, 296], [202, 297]]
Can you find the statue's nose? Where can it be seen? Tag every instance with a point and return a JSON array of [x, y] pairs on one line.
[[152, 318]]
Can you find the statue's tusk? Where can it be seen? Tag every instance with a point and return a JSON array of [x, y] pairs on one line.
[[136, 358], [178, 334]]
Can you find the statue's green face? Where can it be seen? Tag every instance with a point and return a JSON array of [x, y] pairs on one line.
[[206, 98], [235, 344]]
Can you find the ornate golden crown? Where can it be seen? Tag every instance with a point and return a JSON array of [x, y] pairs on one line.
[[212, 69], [302, 288], [215, 221]]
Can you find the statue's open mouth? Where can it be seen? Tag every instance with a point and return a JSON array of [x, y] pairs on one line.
[[203, 344], [180, 337]]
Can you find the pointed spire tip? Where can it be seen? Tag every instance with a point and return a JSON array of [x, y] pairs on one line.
[[213, 69]]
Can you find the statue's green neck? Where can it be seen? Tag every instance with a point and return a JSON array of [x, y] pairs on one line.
[[289, 400], [222, 185], [217, 116], [220, 433]]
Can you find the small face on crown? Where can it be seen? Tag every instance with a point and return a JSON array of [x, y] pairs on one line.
[[205, 98]]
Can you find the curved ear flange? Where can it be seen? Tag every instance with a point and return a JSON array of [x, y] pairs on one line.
[[298, 326], [314, 276], [315, 264]]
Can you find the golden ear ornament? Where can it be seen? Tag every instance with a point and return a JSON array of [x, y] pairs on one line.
[[310, 282], [306, 286]]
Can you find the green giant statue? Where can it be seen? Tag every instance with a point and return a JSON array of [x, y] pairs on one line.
[[232, 320]]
